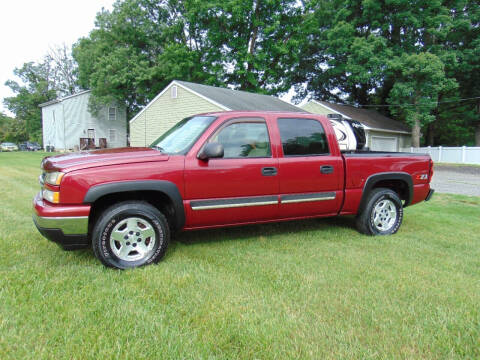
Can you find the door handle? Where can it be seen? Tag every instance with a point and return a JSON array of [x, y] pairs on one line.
[[269, 171], [326, 169]]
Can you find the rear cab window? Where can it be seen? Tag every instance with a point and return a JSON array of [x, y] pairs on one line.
[[302, 137]]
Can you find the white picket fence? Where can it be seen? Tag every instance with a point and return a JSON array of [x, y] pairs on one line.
[[460, 154]]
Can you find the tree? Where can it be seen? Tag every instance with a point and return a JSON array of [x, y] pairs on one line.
[[463, 43], [337, 50], [251, 45], [33, 90], [141, 45], [348, 47], [62, 70], [37, 83], [12, 130], [420, 80], [118, 61]]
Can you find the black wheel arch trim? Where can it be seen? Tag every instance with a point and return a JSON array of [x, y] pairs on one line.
[[375, 178], [166, 187]]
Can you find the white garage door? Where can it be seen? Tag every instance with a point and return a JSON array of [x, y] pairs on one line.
[[384, 143]]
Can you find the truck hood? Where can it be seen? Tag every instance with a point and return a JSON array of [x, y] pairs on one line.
[[105, 157]]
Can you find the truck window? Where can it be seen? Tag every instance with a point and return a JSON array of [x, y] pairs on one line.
[[302, 137], [244, 139]]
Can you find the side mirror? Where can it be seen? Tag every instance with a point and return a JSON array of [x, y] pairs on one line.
[[210, 151]]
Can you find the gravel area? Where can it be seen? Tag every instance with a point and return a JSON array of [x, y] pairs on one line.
[[464, 180]]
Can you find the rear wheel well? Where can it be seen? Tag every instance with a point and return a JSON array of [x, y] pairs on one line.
[[157, 199], [399, 186]]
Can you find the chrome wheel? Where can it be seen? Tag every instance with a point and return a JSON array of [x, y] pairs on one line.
[[384, 215], [133, 239]]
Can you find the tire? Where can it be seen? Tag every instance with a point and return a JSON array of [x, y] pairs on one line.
[[130, 234], [382, 214]]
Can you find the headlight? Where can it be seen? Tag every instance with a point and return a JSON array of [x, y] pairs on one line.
[[51, 196], [53, 178]]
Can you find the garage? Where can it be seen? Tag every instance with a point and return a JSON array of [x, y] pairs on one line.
[[384, 143]]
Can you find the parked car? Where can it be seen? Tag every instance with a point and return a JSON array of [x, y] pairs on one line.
[[29, 146], [8, 146], [221, 169]]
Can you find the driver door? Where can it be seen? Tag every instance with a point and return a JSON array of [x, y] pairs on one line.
[[242, 186]]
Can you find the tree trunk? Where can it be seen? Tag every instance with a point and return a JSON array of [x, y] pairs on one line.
[[477, 134], [431, 127], [477, 128], [252, 40], [431, 134], [416, 133]]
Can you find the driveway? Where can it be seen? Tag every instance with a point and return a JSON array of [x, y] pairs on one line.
[[464, 180]]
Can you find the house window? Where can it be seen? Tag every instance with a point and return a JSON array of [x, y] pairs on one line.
[[174, 92], [112, 113], [91, 133], [112, 135]]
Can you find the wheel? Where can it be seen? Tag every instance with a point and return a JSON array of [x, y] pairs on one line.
[[130, 234], [382, 213]]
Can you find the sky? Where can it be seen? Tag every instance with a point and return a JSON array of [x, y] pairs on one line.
[[29, 28]]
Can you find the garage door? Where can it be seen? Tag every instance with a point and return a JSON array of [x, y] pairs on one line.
[[384, 143]]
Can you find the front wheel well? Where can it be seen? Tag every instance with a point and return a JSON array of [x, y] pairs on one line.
[[157, 199]]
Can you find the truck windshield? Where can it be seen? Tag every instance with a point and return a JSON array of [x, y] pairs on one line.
[[181, 137]]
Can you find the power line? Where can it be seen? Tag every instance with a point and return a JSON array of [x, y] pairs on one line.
[[424, 104]]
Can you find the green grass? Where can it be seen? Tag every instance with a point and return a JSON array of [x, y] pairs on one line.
[[307, 289], [440, 164]]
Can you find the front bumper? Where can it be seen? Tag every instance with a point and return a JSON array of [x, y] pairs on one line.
[[70, 232]]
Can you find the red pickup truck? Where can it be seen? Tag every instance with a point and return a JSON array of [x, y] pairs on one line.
[[221, 169]]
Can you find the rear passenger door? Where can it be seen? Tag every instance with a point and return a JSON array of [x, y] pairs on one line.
[[310, 172]]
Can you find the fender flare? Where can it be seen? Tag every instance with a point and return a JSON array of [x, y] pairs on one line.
[[166, 187], [375, 178]]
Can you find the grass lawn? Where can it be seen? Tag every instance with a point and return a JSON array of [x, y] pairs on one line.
[[440, 164], [307, 289]]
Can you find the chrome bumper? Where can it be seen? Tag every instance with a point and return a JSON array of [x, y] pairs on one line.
[[68, 225]]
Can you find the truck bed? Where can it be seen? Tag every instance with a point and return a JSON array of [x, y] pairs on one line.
[[361, 165]]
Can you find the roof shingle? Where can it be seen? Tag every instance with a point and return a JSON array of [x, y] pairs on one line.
[[370, 118], [240, 100]]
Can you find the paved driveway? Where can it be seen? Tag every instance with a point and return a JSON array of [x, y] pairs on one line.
[[464, 180]]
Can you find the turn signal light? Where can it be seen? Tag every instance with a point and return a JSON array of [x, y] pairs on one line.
[[51, 196]]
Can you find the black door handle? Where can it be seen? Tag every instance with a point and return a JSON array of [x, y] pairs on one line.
[[269, 171], [326, 169]]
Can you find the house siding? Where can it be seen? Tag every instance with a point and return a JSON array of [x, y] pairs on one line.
[[403, 140], [52, 125], [65, 122], [165, 112], [316, 109], [137, 131]]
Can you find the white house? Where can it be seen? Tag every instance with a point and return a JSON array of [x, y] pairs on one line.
[[67, 124]]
